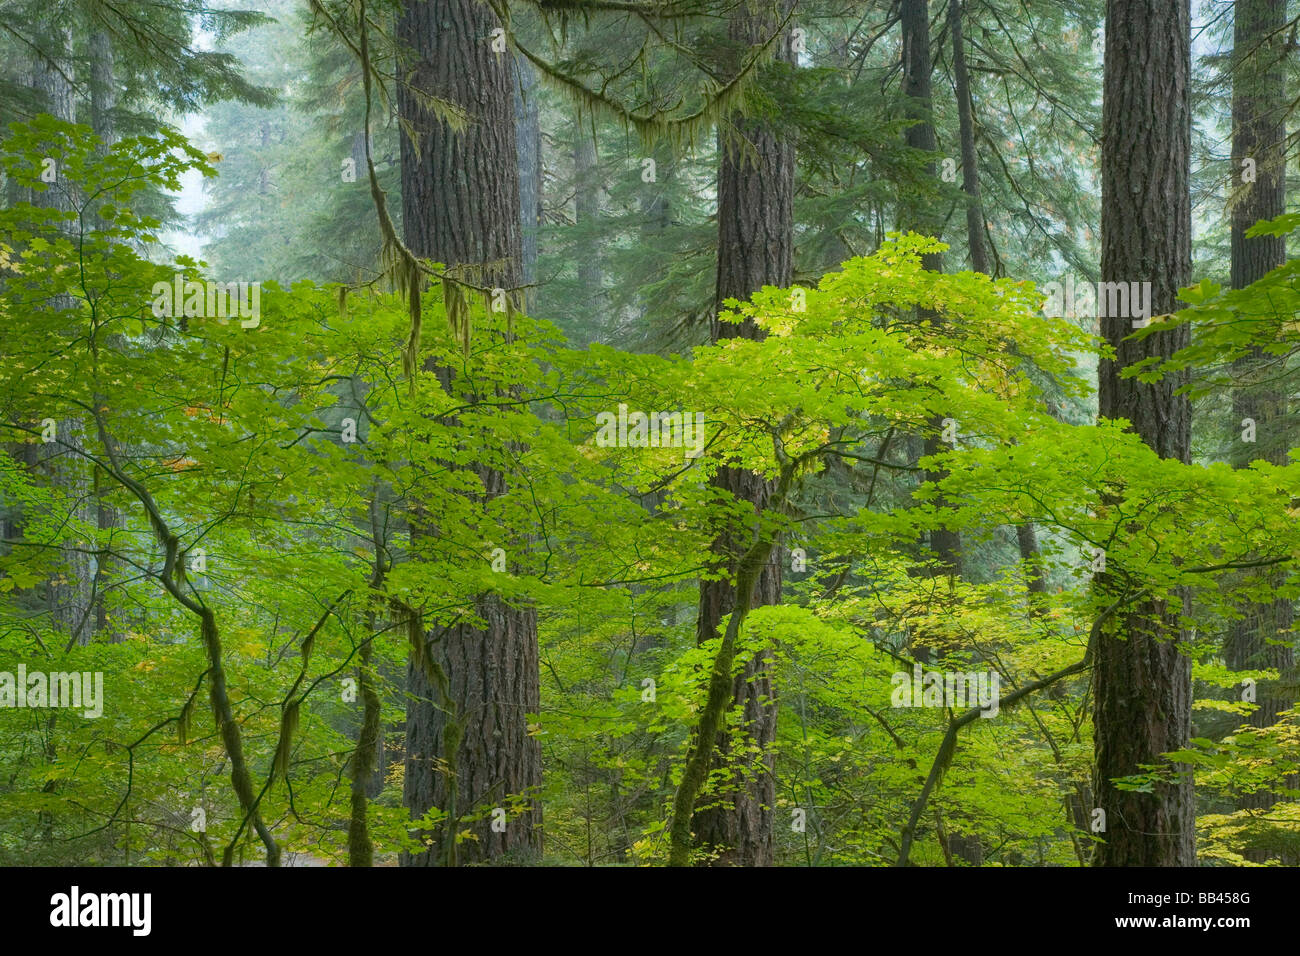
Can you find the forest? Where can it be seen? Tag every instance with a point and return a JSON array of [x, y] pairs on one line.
[[639, 433]]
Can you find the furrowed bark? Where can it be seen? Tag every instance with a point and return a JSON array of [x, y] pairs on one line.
[[461, 207], [1142, 681], [755, 248], [721, 684]]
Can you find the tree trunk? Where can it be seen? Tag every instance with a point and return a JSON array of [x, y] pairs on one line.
[[1142, 683], [914, 20], [460, 205], [103, 87], [914, 23], [755, 248], [1259, 105], [68, 593], [587, 198], [970, 180], [1026, 539], [528, 149], [655, 207]]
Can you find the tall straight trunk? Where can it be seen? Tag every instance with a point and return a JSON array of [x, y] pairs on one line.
[[914, 22], [460, 205], [68, 593], [1026, 539], [528, 149], [755, 248], [655, 207], [587, 197], [1142, 683], [103, 87], [970, 180], [1262, 639]]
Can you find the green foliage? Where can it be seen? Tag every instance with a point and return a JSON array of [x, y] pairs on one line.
[[262, 478]]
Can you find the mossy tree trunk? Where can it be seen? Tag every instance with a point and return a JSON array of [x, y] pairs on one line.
[[472, 752], [755, 248]]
